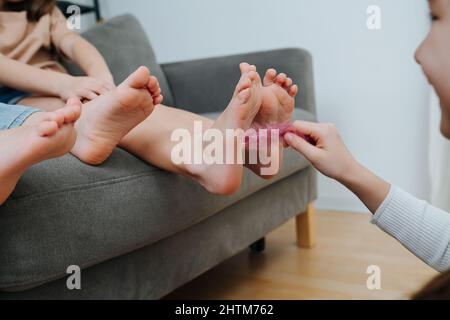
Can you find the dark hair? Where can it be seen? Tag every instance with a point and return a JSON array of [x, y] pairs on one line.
[[437, 289], [35, 8]]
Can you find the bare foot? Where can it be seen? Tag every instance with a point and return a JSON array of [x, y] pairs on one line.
[[43, 136], [278, 100], [107, 119], [244, 106], [278, 103], [246, 101]]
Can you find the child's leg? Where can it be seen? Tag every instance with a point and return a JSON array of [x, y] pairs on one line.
[[151, 140], [42, 136], [107, 119], [43, 103]]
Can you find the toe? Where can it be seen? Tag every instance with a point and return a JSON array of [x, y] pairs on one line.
[[138, 79], [270, 77], [244, 83], [72, 111], [245, 67], [47, 128], [153, 86], [73, 114], [281, 79], [158, 100], [74, 102], [288, 83], [253, 75], [244, 95], [293, 91], [56, 116]]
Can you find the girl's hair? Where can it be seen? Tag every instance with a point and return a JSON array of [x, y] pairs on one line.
[[35, 8], [437, 289]]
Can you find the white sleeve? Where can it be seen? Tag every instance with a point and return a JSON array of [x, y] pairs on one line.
[[421, 228]]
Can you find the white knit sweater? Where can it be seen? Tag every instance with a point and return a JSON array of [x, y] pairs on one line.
[[420, 227]]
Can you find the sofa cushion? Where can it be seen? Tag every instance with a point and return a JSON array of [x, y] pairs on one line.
[[64, 212], [125, 47]]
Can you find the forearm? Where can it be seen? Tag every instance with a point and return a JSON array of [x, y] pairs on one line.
[[27, 78], [368, 187], [89, 59], [421, 228]]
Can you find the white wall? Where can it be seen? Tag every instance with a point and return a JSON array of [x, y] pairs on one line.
[[366, 81]]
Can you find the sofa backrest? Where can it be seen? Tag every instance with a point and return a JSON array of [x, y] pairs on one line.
[[125, 47]]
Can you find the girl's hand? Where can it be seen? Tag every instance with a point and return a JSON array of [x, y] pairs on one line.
[[106, 78], [83, 88], [328, 154]]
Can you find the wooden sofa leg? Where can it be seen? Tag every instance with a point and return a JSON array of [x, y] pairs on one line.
[[306, 228]]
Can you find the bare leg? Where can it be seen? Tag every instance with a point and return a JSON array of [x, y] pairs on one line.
[[43, 103], [43, 136], [108, 118], [151, 140]]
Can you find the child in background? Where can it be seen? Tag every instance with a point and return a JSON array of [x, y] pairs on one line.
[[33, 34]]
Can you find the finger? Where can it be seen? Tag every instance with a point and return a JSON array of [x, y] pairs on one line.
[[109, 85], [306, 128], [99, 89], [301, 145], [90, 95]]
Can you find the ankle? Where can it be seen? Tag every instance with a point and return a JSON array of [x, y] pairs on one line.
[[216, 179]]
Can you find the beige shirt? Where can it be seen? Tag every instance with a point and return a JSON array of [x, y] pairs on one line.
[[33, 43]]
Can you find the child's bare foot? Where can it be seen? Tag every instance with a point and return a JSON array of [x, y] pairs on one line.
[[246, 101], [278, 100], [244, 106], [278, 103], [43, 136], [107, 119]]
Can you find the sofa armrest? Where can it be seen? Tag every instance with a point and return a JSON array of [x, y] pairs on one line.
[[206, 85]]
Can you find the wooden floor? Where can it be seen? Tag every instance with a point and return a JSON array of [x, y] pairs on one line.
[[335, 269]]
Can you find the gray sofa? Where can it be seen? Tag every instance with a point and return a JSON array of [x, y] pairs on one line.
[[138, 232]]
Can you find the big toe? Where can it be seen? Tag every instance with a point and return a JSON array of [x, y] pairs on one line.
[[244, 95], [270, 77], [244, 83], [55, 116], [246, 68], [138, 79], [72, 111]]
